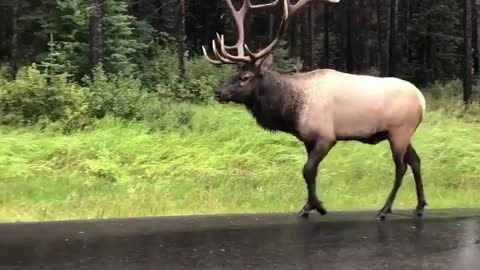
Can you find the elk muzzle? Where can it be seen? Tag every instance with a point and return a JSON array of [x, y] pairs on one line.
[[221, 96]]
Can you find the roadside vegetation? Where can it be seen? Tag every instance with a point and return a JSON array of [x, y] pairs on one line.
[[63, 159]]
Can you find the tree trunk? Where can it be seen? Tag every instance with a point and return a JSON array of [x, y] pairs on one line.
[[181, 38], [475, 37], [14, 40], [303, 39], [467, 80], [402, 28], [168, 15], [144, 8], [326, 37], [293, 38], [387, 42], [392, 62], [364, 37], [380, 49], [349, 49], [308, 37], [96, 33]]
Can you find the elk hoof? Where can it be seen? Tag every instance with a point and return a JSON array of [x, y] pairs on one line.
[[318, 205], [303, 213], [322, 211], [382, 215], [310, 206], [418, 213]]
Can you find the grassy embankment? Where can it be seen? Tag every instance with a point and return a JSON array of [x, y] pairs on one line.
[[223, 164]]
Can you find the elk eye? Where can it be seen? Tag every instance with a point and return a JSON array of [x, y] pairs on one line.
[[245, 78]]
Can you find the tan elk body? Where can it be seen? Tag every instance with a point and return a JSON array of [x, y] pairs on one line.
[[342, 106], [323, 106]]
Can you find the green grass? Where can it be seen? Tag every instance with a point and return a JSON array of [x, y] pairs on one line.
[[223, 164]]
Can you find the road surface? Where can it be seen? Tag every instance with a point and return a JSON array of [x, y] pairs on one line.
[[443, 239]]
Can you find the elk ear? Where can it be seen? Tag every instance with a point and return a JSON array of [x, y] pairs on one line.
[[266, 63]]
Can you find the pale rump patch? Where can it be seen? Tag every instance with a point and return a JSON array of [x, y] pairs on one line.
[[421, 98]]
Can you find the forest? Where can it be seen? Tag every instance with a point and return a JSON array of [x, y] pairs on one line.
[[107, 110]]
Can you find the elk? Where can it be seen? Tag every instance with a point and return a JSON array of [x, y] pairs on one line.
[[322, 107]]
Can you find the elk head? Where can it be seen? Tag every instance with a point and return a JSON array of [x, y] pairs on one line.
[[251, 66]]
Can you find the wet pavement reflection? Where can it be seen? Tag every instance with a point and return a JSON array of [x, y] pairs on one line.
[[444, 239]]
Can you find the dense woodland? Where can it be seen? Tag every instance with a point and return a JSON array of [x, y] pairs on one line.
[[157, 43]]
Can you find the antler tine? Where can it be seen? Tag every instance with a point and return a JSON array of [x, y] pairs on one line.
[[294, 8], [226, 47], [241, 56], [239, 18], [276, 41], [289, 10], [223, 55], [259, 6], [215, 62], [223, 59]]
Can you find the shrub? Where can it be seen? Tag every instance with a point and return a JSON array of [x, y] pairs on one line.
[[116, 95], [447, 99], [4, 74], [33, 97], [200, 67], [284, 64], [162, 116], [201, 80], [194, 90], [452, 89], [157, 63]]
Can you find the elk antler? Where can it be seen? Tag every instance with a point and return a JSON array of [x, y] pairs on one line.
[[224, 57], [301, 3]]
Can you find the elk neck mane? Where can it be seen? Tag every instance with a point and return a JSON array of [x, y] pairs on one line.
[[276, 103]]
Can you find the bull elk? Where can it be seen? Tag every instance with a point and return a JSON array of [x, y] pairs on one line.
[[323, 106]]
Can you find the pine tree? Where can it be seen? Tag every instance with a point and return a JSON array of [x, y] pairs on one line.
[[467, 77], [120, 44], [67, 32], [436, 34], [393, 40], [96, 40], [475, 56], [181, 37]]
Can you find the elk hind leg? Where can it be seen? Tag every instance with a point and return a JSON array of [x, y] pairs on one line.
[[413, 160], [398, 145]]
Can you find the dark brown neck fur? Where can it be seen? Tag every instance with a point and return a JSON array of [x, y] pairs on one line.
[[276, 104]]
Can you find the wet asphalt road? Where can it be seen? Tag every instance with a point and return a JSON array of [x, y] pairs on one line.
[[443, 239]]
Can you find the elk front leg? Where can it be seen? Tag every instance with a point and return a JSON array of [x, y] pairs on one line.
[[316, 153]]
